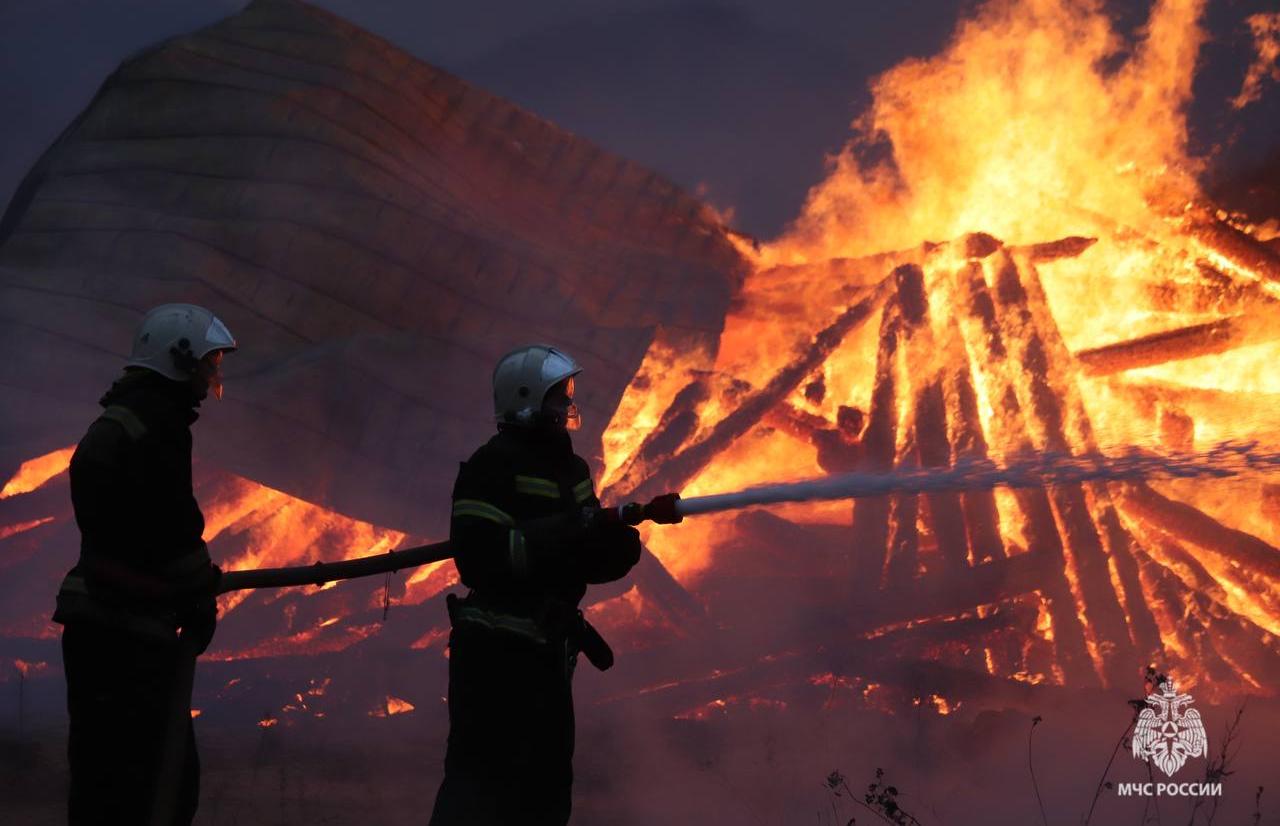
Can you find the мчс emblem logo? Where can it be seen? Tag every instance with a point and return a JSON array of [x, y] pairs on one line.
[[1169, 732]]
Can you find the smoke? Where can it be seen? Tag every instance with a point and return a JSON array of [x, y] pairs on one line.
[[1224, 460]]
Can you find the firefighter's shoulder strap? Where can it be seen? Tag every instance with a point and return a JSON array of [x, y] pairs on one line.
[[127, 419]]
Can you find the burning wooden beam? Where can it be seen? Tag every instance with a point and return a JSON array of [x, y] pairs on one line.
[[1175, 345], [1068, 247], [1238, 249], [1043, 382], [871, 515], [1194, 642], [839, 447], [924, 358], [1064, 411], [679, 469], [953, 592], [1121, 547], [1251, 554], [981, 516], [904, 534], [1213, 292], [677, 424], [1253, 650], [985, 341]]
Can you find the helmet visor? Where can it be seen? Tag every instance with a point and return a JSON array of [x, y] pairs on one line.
[[559, 406], [571, 419], [210, 370]]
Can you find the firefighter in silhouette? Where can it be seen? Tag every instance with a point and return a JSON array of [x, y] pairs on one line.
[[143, 589], [528, 536]]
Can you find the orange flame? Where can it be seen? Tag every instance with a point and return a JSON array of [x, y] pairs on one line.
[[391, 707], [33, 473], [1038, 121], [1266, 65], [7, 531]]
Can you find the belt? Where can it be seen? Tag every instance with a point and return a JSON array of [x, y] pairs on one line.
[[573, 627]]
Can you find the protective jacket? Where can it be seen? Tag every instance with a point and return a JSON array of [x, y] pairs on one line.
[[143, 566], [523, 538]]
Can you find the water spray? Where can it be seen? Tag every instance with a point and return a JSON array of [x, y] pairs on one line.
[[1225, 460]]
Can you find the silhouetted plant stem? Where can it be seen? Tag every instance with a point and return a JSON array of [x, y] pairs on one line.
[[1102, 781], [1035, 721]]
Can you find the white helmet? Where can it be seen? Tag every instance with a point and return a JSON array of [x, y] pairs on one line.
[[173, 338], [521, 382]]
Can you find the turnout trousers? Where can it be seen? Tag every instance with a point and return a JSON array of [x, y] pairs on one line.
[[119, 689], [510, 754]]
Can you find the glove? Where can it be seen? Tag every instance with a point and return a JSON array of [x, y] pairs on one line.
[[664, 509], [631, 513], [199, 622], [556, 530]]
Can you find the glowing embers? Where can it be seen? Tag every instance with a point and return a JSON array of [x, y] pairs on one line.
[[853, 692], [728, 705], [391, 706], [303, 700]]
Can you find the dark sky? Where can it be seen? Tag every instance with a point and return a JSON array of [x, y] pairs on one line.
[[741, 97]]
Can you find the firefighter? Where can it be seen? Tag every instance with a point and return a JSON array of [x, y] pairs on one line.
[[528, 536], [142, 592]]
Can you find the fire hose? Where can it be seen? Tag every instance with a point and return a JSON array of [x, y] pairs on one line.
[[1225, 460]]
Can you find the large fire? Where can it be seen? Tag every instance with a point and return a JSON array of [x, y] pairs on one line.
[[1012, 253], [1118, 307]]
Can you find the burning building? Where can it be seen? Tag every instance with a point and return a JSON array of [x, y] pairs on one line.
[[1035, 269]]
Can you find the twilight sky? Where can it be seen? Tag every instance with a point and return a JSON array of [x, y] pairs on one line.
[[667, 84]]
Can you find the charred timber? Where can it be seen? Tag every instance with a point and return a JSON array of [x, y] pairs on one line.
[[1068, 247], [679, 421], [954, 592], [904, 534], [981, 516], [1175, 345], [743, 675], [1041, 531], [1121, 547], [871, 515], [1242, 250], [1030, 349], [1215, 292], [1172, 596], [929, 409], [1197, 527], [1253, 649]]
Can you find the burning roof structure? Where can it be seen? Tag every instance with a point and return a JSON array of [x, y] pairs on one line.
[[377, 232]]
